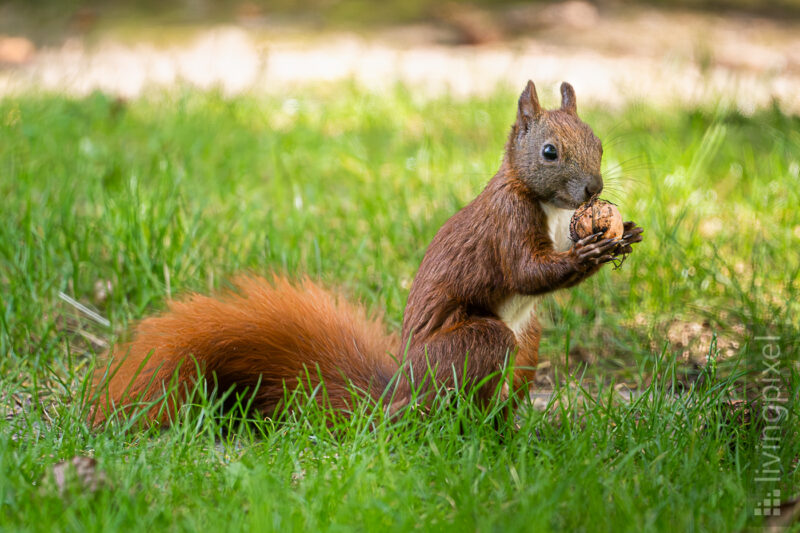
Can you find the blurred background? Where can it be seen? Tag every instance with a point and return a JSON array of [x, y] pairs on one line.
[[743, 54]]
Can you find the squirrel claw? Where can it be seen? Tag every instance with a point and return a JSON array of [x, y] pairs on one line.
[[623, 249], [603, 259], [589, 253], [632, 234], [591, 239]]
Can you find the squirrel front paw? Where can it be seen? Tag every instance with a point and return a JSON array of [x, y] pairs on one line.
[[631, 234], [591, 251]]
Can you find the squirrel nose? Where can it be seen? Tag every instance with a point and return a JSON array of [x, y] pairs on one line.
[[594, 186]]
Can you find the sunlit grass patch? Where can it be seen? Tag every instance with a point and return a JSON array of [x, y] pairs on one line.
[[125, 204]]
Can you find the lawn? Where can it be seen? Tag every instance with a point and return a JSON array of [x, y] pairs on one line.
[[123, 205]]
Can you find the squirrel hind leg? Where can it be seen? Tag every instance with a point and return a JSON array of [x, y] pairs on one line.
[[483, 343], [526, 360]]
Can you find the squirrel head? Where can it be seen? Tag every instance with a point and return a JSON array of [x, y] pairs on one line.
[[554, 153]]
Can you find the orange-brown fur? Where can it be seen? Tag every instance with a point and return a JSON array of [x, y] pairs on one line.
[[271, 334], [268, 333]]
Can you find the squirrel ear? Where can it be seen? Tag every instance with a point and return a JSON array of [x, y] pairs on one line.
[[568, 98], [529, 108]]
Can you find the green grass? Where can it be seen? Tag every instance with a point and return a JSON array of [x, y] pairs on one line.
[[169, 193]]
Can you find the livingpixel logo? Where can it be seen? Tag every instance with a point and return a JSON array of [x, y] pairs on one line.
[[770, 505], [774, 415]]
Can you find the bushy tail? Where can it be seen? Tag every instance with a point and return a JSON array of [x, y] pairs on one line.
[[264, 335]]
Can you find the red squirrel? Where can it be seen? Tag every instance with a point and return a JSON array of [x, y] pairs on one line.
[[471, 304]]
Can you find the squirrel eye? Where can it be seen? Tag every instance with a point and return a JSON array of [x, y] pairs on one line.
[[549, 152]]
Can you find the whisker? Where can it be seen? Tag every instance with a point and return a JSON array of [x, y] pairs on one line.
[[627, 169], [631, 159], [622, 175], [625, 178], [616, 141]]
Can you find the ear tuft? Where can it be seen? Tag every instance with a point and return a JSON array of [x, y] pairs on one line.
[[568, 102], [529, 108]]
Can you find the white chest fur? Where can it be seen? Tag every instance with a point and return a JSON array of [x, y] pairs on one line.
[[516, 310], [558, 226]]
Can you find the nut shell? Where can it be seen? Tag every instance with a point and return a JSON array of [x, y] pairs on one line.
[[594, 217]]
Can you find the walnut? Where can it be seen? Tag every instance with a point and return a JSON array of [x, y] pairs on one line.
[[593, 217]]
